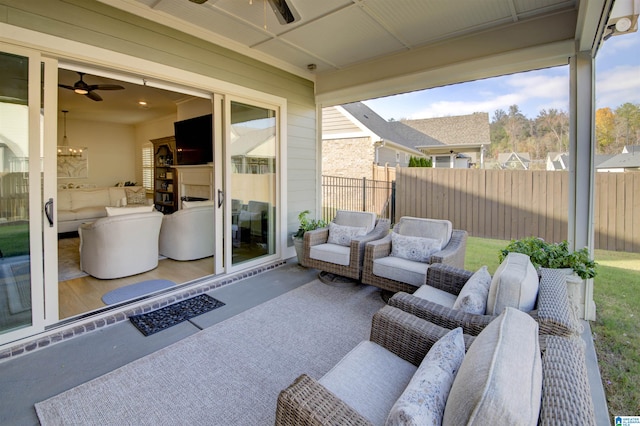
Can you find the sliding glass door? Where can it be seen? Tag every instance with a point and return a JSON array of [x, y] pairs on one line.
[[21, 260], [251, 153]]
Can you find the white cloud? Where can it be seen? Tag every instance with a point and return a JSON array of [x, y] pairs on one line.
[[530, 91], [618, 86]]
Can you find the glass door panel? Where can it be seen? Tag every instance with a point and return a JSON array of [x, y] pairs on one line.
[[20, 260], [251, 150]]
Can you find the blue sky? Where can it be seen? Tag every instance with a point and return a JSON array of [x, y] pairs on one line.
[[617, 82]]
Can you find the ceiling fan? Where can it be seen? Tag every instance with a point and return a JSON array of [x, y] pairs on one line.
[[82, 88], [286, 14]]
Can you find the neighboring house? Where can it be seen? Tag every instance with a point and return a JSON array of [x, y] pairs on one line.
[[628, 160], [631, 149], [514, 161], [557, 161], [354, 138], [464, 136], [620, 163]]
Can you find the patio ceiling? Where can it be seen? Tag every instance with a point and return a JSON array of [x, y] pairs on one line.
[[359, 49]]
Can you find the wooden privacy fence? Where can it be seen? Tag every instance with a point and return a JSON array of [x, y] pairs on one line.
[[506, 204]]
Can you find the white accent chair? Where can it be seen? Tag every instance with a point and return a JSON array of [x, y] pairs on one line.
[[188, 233], [119, 246]]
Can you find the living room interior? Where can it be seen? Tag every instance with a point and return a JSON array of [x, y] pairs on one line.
[[103, 136]]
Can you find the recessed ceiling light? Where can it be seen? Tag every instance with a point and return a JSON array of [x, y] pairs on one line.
[[142, 103]]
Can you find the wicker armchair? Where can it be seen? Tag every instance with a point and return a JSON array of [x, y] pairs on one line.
[[566, 396], [553, 312], [452, 254], [338, 260]]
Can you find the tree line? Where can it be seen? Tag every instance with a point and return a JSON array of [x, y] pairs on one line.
[[549, 131]]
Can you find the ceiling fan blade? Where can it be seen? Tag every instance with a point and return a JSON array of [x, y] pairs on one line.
[[93, 96], [286, 14], [64, 86], [106, 87]]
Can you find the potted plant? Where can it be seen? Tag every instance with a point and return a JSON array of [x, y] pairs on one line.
[[553, 255], [578, 266], [306, 224]]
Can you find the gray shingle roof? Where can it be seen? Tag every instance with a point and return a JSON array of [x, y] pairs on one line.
[[459, 129], [393, 131], [621, 161]]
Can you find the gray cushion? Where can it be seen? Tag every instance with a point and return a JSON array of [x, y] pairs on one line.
[[436, 295], [474, 294], [369, 379], [352, 218], [427, 228], [424, 399], [399, 269], [331, 253], [500, 379], [514, 284]]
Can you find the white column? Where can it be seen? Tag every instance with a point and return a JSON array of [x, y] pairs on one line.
[[581, 153]]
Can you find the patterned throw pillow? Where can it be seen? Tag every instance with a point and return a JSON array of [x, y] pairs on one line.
[[474, 294], [417, 249], [136, 196], [425, 397], [342, 235]]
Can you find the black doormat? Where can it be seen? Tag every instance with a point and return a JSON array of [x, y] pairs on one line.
[[166, 317]]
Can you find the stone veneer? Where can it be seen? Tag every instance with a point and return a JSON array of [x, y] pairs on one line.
[[89, 324]]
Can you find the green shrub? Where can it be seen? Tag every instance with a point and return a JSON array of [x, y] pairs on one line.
[[553, 255], [307, 224]]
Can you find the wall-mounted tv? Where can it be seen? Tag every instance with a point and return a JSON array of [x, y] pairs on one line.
[[194, 140]]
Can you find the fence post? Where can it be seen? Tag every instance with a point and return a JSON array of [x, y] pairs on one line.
[[393, 202], [364, 194]]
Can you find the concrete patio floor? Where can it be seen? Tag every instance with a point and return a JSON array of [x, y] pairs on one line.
[[41, 374]]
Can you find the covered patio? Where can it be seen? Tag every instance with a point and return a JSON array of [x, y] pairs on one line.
[[338, 52]]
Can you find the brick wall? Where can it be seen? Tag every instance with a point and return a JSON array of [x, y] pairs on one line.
[[348, 157]]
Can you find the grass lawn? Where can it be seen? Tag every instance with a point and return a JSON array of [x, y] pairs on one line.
[[616, 331], [14, 239]]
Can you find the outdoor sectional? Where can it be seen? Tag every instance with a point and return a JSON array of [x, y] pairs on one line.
[[399, 342]]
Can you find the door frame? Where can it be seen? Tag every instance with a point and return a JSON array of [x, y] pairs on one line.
[[36, 205]]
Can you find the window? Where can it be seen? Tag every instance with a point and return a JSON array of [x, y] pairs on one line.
[[147, 166]]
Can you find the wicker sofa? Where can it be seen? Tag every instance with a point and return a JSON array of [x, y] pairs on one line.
[[552, 312], [565, 392]]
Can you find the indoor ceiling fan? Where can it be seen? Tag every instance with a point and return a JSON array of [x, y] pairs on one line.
[[286, 14], [82, 88]]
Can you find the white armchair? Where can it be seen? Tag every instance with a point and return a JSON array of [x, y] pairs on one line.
[[119, 246], [188, 233]]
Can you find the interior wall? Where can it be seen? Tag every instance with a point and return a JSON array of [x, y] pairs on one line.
[[111, 148]]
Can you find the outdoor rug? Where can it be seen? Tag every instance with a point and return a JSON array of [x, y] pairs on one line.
[[230, 373], [166, 317]]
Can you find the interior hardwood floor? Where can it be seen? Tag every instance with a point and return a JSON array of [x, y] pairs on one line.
[[81, 295]]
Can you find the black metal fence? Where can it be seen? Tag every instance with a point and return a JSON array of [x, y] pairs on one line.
[[341, 193]]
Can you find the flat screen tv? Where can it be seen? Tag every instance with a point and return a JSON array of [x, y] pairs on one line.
[[194, 141]]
